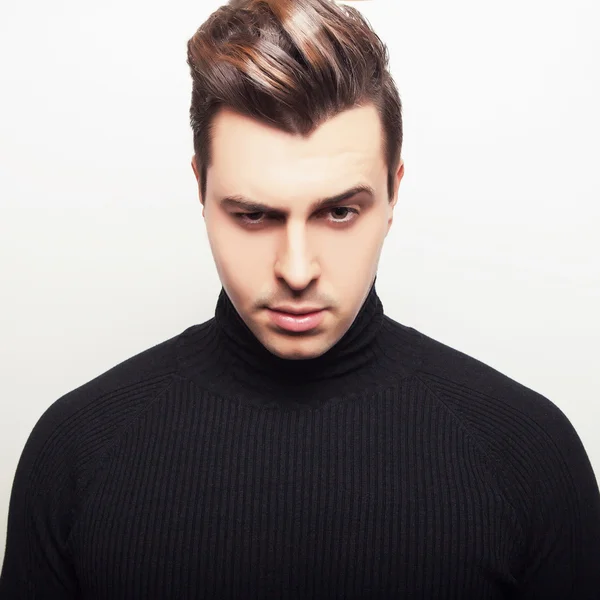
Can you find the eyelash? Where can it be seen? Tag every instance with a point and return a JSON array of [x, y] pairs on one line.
[[241, 217]]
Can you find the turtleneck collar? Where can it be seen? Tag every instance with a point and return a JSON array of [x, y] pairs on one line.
[[352, 352], [223, 356]]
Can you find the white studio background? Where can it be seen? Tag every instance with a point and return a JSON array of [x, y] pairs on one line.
[[494, 249]]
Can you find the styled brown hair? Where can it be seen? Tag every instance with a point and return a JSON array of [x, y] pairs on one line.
[[291, 64]]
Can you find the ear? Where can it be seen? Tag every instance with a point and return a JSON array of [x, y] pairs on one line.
[[195, 168], [394, 200], [197, 175]]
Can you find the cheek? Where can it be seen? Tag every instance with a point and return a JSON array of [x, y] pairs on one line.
[[350, 263], [240, 260], [356, 249]]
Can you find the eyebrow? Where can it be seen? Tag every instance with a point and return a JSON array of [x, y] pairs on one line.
[[243, 203]]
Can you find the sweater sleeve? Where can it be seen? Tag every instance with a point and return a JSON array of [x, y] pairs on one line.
[[37, 563], [562, 558]]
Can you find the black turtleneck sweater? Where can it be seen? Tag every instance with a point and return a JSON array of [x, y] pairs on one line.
[[392, 466]]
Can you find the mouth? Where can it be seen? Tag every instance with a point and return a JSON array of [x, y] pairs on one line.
[[297, 310], [296, 321]]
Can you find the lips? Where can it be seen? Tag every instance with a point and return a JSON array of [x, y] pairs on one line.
[[296, 322], [291, 310]]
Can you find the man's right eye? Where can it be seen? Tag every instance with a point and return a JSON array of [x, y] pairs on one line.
[[249, 218]]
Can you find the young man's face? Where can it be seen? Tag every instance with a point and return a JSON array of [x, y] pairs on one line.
[[293, 255]]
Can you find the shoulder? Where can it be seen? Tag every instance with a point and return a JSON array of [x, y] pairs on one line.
[[476, 389], [507, 420], [526, 439], [69, 443], [528, 444], [130, 382], [78, 426], [467, 384]]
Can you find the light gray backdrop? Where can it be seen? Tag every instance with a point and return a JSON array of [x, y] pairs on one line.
[[494, 249]]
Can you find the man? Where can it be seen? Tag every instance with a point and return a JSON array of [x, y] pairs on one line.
[[301, 444]]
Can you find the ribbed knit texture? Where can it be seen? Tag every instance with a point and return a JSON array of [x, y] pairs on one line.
[[392, 466]]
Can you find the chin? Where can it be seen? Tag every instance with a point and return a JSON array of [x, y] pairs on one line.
[[297, 349]]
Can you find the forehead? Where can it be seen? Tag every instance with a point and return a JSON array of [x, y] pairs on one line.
[[249, 157]]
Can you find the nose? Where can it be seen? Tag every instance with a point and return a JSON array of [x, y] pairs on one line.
[[295, 263]]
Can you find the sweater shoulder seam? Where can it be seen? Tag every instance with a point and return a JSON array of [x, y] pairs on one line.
[[490, 462], [100, 462]]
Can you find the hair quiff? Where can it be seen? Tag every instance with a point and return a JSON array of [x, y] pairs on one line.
[[291, 64]]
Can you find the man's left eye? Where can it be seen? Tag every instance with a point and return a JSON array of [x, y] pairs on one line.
[[341, 213]]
